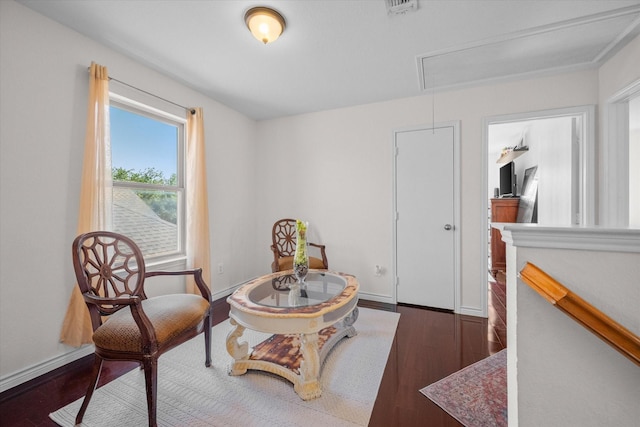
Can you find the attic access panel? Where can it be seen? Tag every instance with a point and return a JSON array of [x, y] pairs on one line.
[[565, 46]]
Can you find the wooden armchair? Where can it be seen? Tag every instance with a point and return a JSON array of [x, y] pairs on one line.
[[111, 275], [283, 236]]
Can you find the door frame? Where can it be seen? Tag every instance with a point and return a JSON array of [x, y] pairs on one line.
[[615, 157], [586, 165], [456, 204]]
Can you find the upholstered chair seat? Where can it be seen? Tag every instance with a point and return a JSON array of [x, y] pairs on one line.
[[286, 263], [170, 315]]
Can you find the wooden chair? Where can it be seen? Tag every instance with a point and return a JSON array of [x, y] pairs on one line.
[[128, 326], [283, 236]]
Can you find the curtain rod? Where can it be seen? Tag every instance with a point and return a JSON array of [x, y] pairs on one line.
[[191, 110]]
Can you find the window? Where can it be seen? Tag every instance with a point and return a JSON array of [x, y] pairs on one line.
[[147, 147]]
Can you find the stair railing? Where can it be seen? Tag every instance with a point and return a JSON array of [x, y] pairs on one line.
[[584, 313]]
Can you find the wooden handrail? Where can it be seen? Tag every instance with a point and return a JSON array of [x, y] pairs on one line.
[[584, 313]]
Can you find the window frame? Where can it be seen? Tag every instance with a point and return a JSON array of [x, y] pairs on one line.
[[177, 257]]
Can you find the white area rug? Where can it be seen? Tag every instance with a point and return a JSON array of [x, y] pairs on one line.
[[189, 394]]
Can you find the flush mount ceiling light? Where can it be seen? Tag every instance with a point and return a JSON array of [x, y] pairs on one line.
[[265, 24]]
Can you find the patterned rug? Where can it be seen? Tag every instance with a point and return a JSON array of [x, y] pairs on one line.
[[476, 396], [189, 394]]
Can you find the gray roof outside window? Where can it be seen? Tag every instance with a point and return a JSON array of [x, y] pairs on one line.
[[135, 219]]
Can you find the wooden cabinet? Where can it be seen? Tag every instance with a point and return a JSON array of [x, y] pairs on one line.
[[502, 210]]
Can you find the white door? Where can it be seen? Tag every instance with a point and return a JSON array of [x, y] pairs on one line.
[[426, 212]]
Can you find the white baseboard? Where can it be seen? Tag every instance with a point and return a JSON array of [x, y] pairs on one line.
[[228, 291], [15, 379], [12, 380], [472, 311], [376, 297]]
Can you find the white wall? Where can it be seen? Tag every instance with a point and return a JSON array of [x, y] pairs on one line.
[[43, 86], [550, 148], [334, 168], [559, 372]]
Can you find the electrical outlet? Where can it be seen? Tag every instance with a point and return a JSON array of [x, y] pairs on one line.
[[220, 268], [379, 271]]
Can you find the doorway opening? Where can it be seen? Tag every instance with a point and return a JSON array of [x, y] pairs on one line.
[[554, 149], [620, 195]]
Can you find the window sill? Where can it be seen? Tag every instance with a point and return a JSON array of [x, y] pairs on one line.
[[177, 263]]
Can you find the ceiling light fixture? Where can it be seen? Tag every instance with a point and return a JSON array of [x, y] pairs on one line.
[[265, 24]]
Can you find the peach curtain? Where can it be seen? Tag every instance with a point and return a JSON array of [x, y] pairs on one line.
[[198, 249], [95, 195]]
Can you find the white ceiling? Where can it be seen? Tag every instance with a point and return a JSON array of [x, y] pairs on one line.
[[338, 53]]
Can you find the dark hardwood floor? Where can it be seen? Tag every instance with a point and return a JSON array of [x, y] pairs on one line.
[[428, 346]]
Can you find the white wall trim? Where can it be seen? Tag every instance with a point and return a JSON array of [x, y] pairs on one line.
[[15, 379], [457, 194], [376, 297], [580, 238], [229, 290], [473, 311], [615, 157], [34, 371], [594, 62]]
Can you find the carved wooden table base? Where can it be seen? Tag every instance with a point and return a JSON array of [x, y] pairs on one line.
[[295, 357]]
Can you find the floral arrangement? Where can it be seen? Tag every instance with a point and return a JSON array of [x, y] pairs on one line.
[[300, 258]]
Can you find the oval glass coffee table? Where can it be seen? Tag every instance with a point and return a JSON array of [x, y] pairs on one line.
[[307, 321]]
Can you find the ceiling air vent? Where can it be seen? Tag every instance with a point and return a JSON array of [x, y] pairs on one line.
[[400, 7]]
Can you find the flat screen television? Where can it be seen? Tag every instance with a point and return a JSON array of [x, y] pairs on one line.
[[508, 180]]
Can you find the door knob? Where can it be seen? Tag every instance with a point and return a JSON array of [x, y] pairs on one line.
[[447, 227]]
